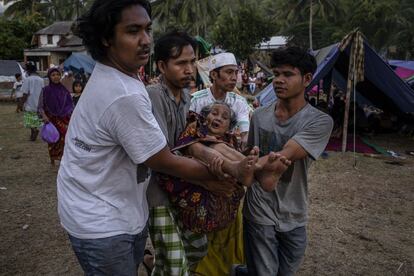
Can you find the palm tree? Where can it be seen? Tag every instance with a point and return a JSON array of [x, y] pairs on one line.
[[196, 15], [21, 7], [192, 15], [295, 10], [51, 9]]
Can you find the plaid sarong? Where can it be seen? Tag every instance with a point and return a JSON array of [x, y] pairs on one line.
[[165, 235], [176, 251], [31, 120]]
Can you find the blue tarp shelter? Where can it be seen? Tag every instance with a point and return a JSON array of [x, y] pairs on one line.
[[409, 64], [381, 87], [76, 61], [267, 95]]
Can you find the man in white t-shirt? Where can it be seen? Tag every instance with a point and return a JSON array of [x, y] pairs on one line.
[[112, 129], [223, 75], [31, 89]]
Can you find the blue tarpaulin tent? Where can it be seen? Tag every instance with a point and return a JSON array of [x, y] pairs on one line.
[[409, 64], [381, 87], [76, 61]]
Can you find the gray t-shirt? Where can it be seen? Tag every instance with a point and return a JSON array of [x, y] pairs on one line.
[[172, 120], [286, 206]]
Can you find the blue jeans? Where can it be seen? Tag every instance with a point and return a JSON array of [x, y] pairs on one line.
[[117, 255], [269, 252]]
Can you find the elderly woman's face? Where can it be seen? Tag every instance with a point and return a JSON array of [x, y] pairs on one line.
[[55, 77], [218, 120]]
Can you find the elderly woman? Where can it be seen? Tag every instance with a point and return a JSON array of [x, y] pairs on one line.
[[56, 106]]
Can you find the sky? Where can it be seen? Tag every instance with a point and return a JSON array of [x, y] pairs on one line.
[[2, 8]]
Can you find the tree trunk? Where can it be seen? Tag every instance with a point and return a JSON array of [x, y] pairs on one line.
[[310, 24]]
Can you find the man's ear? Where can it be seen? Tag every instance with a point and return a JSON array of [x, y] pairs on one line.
[[307, 78], [161, 65], [213, 75]]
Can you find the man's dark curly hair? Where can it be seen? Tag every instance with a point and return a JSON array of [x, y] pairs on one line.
[[171, 45], [296, 57], [98, 23]]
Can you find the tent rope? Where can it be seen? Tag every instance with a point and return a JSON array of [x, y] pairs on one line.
[[354, 87]]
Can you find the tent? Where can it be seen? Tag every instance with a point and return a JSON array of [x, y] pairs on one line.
[[267, 95], [76, 61], [408, 64], [371, 79], [204, 47], [404, 69], [381, 85]]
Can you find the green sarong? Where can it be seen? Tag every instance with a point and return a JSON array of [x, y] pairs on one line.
[[31, 120]]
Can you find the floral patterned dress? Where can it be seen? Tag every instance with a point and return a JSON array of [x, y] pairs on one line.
[[198, 209]]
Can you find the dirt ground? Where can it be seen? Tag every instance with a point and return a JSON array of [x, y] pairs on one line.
[[361, 219]]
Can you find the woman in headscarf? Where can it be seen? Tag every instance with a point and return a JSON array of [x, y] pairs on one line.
[[56, 106]]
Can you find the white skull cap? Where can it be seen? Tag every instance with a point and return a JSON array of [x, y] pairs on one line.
[[222, 59]]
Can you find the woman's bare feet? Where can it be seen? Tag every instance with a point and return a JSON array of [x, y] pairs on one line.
[[244, 170], [270, 169]]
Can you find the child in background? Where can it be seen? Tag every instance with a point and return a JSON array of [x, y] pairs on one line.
[[18, 93], [77, 88]]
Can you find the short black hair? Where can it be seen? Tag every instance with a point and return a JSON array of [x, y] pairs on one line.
[[207, 109], [17, 75], [98, 23], [217, 70], [171, 45], [30, 67], [296, 57], [75, 82]]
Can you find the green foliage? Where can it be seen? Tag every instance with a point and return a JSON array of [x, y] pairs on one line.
[[53, 10], [16, 34], [193, 16], [385, 23], [239, 32], [238, 25]]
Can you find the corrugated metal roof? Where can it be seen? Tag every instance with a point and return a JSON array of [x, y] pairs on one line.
[[72, 40], [57, 28], [56, 49]]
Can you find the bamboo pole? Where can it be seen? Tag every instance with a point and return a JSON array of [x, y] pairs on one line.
[[349, 86]]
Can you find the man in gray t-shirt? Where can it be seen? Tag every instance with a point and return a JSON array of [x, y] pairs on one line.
[[275, 217], [175, 59]]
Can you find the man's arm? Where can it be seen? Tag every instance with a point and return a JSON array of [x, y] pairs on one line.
[[25, 91], [293, 151], [191, 170]]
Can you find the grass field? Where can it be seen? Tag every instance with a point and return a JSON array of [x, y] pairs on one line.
[[361, 219]]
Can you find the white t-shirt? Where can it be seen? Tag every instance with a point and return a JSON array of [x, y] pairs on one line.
[[237, 103], [32, 86], [111, 130]]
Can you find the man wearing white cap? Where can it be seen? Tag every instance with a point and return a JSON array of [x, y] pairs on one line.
[[223, 74]]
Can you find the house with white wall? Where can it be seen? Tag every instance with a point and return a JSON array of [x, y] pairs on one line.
[[52, 45]]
